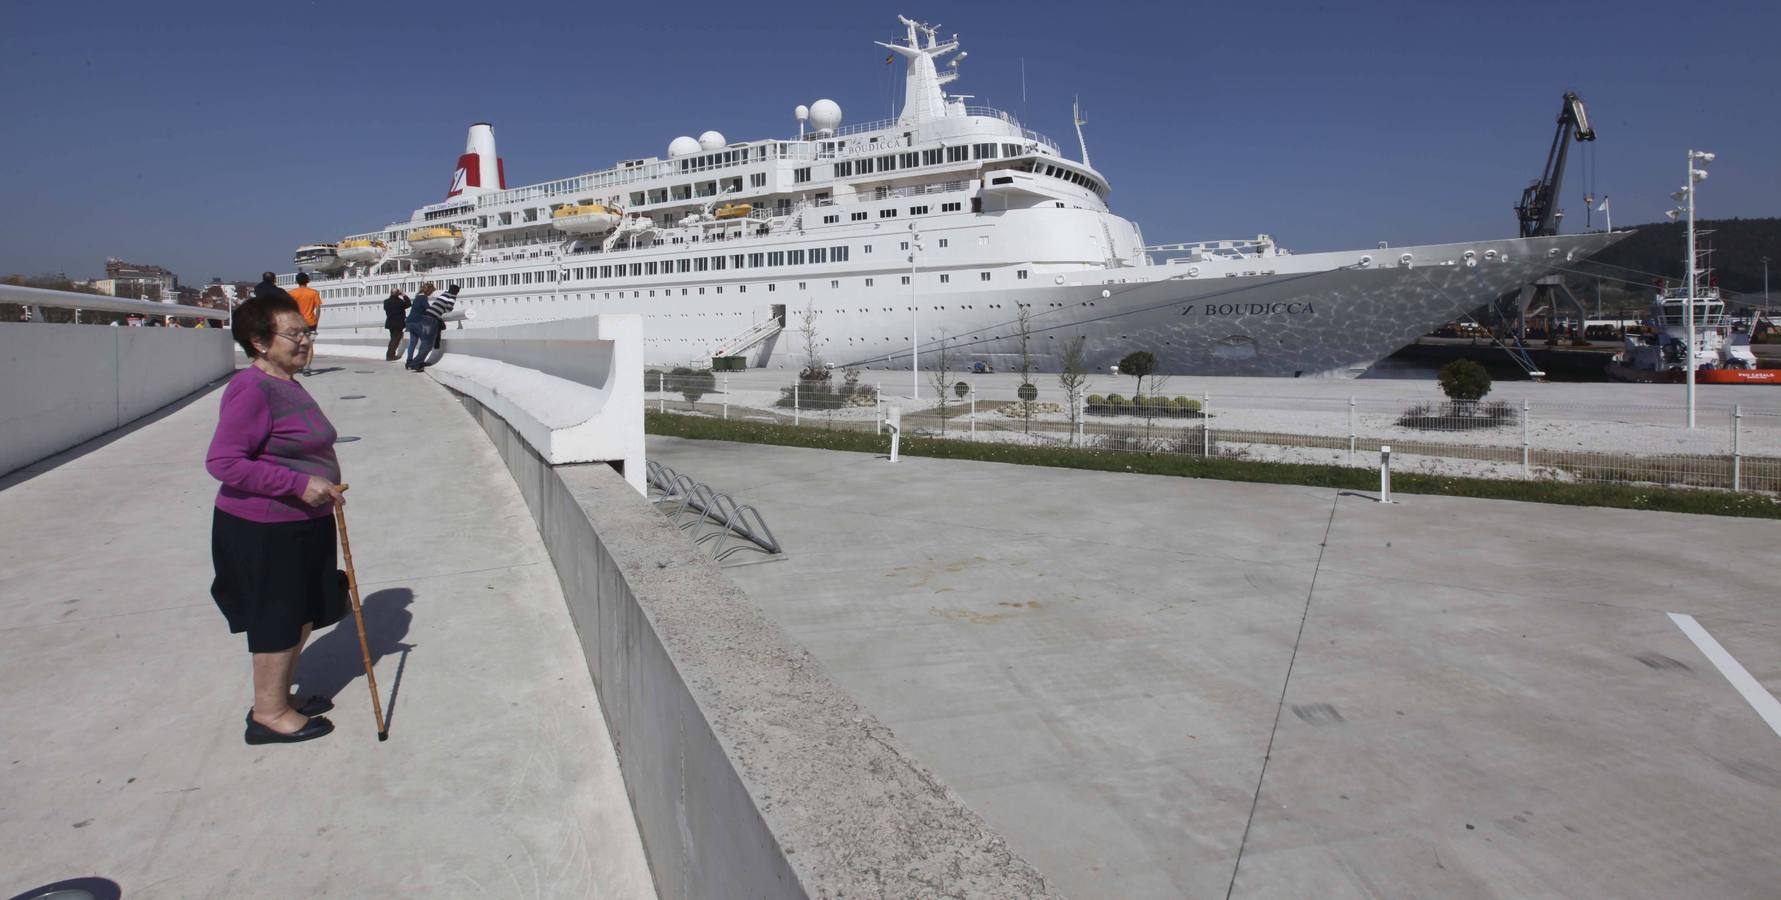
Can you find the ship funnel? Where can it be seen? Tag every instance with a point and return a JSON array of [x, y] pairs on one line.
[[480, 169]]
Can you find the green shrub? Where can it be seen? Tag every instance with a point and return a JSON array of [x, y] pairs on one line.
[[1464, 380], [1186, 405], [1115, 400], [1095, 400]]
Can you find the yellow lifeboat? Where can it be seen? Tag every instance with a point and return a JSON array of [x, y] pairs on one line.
[[360, 251], [734, 210], [441, 239], [586, 218]]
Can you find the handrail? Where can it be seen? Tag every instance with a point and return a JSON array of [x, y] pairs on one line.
[[30, 296]]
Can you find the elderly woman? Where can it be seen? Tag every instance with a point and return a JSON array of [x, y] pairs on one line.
[[272, 534]]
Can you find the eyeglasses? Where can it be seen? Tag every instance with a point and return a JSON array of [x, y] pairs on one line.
[[297, 337]]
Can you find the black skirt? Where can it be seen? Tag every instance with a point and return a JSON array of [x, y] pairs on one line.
[[273, 578]]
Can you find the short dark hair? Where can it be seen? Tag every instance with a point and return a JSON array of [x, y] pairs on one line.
[[302, 277], [256, 319], [452, 290], [268, 276]]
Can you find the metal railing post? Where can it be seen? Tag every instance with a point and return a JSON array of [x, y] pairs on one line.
[[973, 412], [661, 397], [878, 407], [1080, 414], [726, 395], [1737, 451], [1526, 452], [796, 412], [1351, 441], [1206, 424]]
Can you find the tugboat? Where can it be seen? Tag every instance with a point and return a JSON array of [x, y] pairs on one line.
[[1720, 355]]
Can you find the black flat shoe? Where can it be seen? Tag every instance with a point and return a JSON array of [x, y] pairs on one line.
[[260, 734], [314, 706]]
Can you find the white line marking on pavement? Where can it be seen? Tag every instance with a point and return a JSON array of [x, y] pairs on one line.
[[1754, 693]]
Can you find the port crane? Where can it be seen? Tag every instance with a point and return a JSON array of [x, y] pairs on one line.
[[1540, 216], [1538, 210]]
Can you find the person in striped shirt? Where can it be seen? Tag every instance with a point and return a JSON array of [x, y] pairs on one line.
[[434, 321]]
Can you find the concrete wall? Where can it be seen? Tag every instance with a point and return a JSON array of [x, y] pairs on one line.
[[750, 772], [61, 385]]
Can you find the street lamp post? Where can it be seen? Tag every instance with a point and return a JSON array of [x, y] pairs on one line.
[[1765, 287], [1692, 262], [914, 309]]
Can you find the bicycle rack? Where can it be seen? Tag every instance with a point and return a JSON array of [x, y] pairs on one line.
[[709, 506]]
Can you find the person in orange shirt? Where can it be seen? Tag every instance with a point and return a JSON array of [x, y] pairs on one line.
[[309, 303]]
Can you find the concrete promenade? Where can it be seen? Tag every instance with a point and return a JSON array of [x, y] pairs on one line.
[[1453, 698], [124, 694]]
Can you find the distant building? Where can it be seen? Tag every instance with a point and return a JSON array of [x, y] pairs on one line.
[[141, 282], [219, 294]]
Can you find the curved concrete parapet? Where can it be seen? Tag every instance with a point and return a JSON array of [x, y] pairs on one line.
[[66, 384], [751, 773], [573, 389]]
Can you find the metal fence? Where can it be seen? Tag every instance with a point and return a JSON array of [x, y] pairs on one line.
[[1735, 448]]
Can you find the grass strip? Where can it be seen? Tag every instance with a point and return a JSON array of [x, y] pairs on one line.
[[1618, 496]]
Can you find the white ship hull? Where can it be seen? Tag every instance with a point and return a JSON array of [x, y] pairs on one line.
[[1325, 316]]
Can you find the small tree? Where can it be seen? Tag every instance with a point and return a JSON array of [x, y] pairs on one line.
[[942, 370], [694, 384], [1073, 377], [1138, 364], [1465, 383]]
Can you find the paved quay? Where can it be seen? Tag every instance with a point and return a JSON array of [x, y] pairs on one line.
[[121, 717], [1453, 697]]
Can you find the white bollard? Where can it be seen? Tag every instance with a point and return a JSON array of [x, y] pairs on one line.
[[1385, 473], [661, 398], [894, 421], [795, 412], [973, 413], [726, 395], [878, 408]]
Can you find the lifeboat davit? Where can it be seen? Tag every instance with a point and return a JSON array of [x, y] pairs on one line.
[[360, 251], [317, 258], [436, 239], [735, 210], [586, 218]]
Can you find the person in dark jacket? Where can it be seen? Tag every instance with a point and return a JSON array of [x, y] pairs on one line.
[[395, 309], [418, 323], [268, 287]]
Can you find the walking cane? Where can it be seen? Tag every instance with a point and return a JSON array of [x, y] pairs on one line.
[[358, 617]]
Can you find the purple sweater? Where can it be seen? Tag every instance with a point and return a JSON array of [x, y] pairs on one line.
[[270, 437]]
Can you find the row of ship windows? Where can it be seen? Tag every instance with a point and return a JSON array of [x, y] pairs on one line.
[[485, 281], [891, 162]]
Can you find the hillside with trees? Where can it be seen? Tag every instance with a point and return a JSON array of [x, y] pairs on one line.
[[1629, 268]]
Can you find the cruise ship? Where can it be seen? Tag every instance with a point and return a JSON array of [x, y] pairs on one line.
[[949, 229]]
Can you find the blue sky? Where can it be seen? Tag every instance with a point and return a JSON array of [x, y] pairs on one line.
[[214, 138]]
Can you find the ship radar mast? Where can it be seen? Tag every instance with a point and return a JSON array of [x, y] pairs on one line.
[[1076, 113], [923, 100]]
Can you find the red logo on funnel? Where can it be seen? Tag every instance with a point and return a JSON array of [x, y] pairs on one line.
[[469, 174]]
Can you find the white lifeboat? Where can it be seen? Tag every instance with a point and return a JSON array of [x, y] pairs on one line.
[[317, 258], [586, 218], [360, 251], [436, 240]]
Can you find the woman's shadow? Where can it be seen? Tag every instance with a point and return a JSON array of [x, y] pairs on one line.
[[333, 661]]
